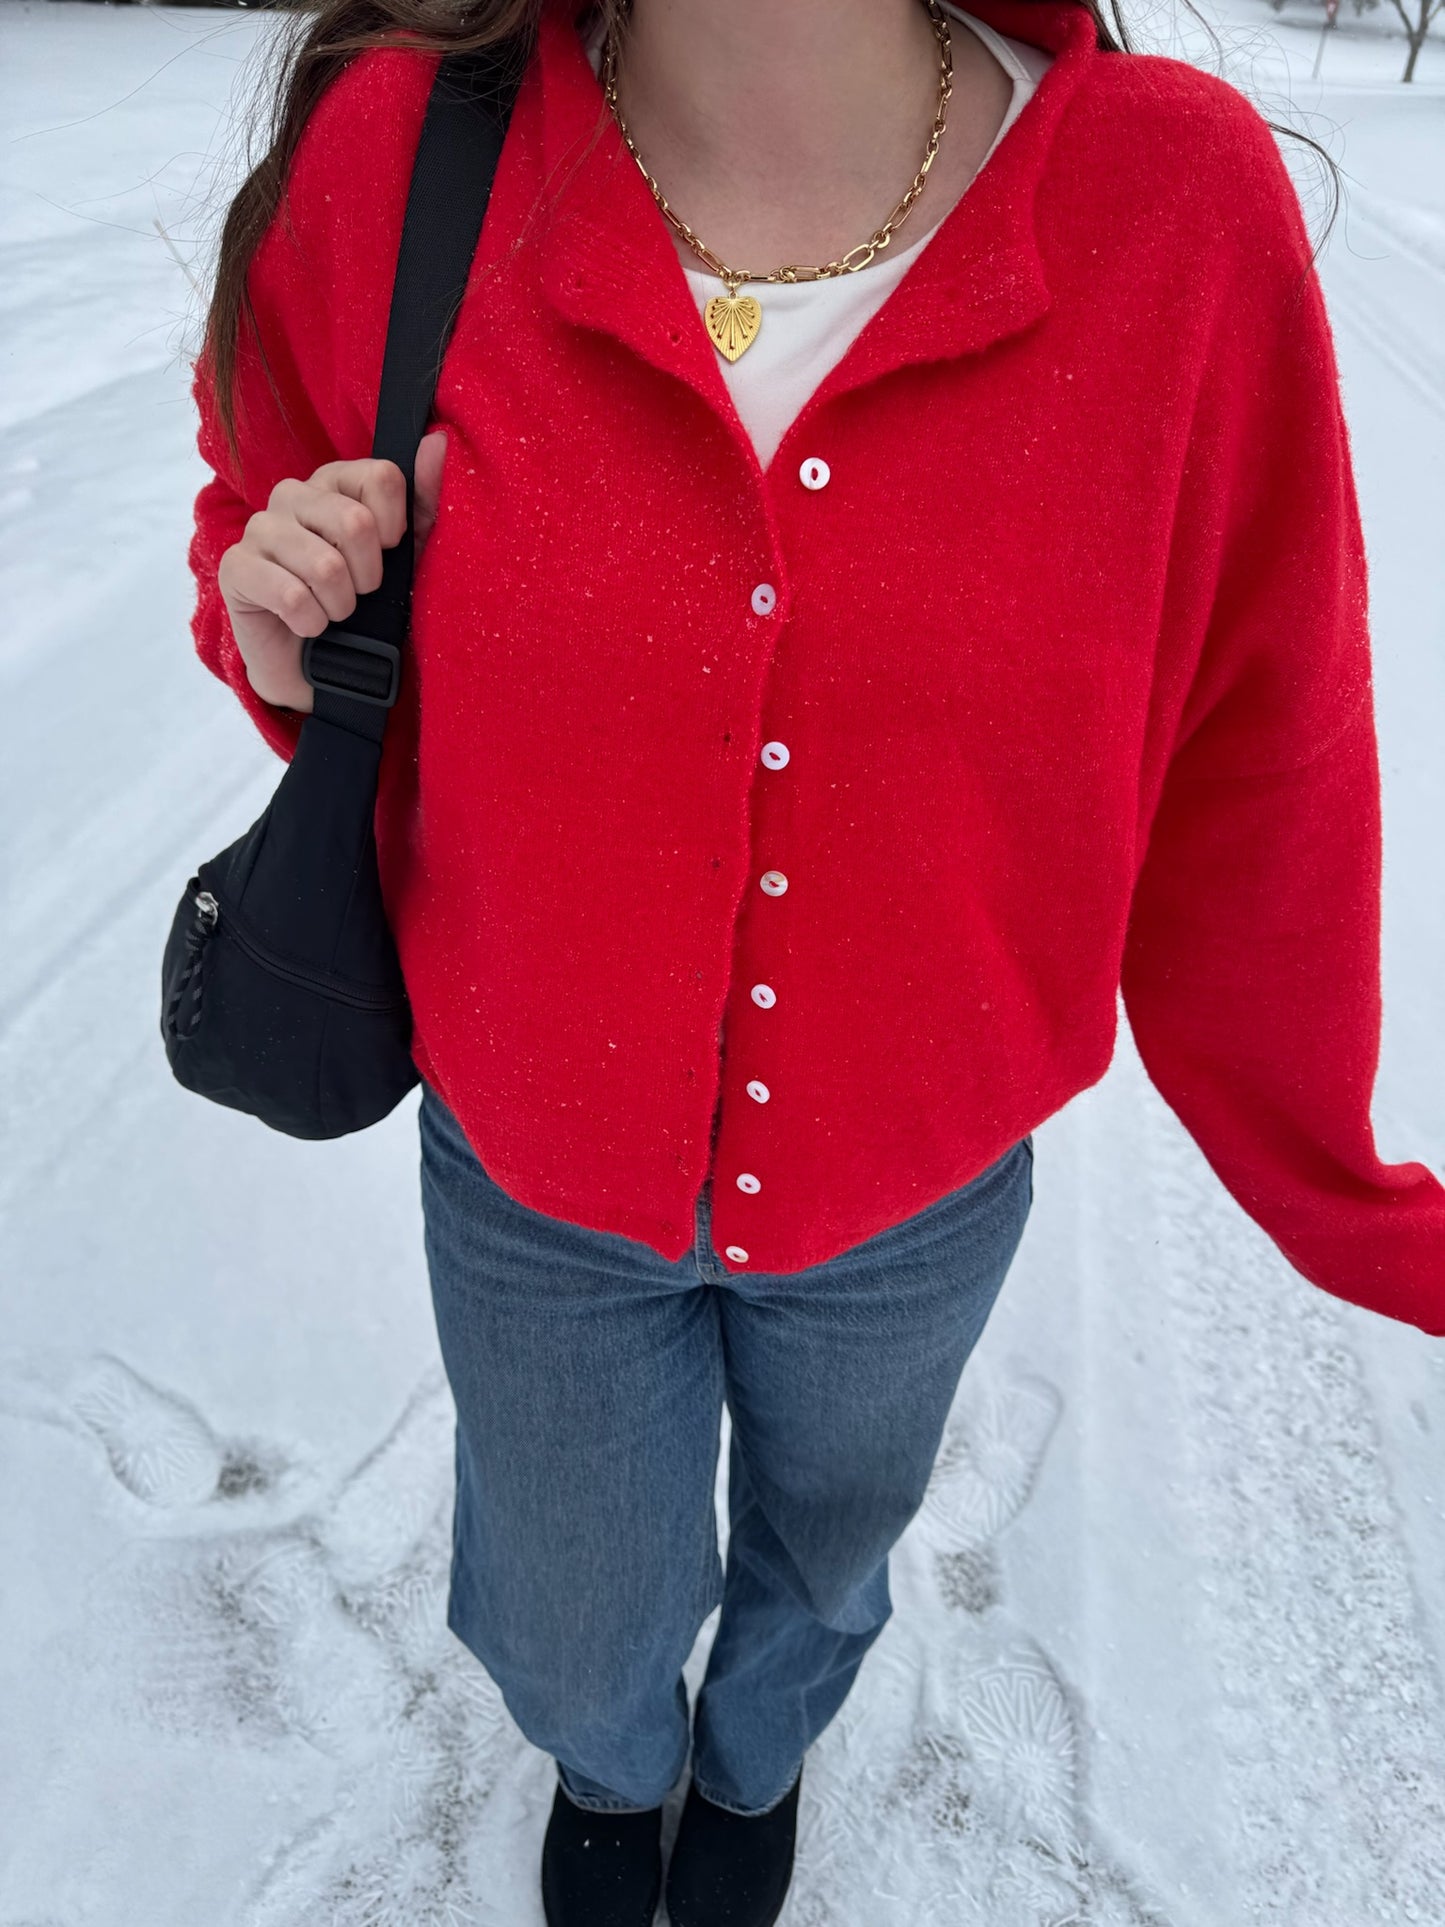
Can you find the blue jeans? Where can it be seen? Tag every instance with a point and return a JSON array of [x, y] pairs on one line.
[[590, 1375]]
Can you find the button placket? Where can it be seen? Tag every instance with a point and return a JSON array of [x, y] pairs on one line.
[[814, 474], [773, 755], [774, 884]]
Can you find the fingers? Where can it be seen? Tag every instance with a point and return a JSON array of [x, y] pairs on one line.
[[257, 584], [285, 567], [379, 487], [348, 525]]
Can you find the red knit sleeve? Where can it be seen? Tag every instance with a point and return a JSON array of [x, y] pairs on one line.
[[1251, 974], [309, 362]]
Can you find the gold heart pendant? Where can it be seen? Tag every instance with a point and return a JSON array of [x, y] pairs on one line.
[[733, 321]]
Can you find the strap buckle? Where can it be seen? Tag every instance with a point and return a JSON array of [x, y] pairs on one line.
[[353, 665]]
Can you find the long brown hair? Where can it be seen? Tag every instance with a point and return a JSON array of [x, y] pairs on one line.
[[323, 37]]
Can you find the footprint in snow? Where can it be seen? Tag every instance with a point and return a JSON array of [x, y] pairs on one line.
[[966, 1749], [328, 1626], [159, 1447], [325, 1626], [983, 1476]]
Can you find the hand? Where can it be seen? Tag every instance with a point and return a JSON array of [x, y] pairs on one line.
[[306, 557]]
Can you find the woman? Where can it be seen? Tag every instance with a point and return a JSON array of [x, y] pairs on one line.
[[827, 691]]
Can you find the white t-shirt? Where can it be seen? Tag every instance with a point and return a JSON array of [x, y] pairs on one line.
[[809, 325]]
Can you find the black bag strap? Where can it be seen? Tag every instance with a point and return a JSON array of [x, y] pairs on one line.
[[355, 666]]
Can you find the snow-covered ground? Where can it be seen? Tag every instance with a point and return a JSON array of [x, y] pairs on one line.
[[1170, 1631]]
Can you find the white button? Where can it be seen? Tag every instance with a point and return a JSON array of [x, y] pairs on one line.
[[774, 882], [764, 996], [747, 1182], [815, 473], [775, 755], [758, 1089], [765, 599], [737, 1254]]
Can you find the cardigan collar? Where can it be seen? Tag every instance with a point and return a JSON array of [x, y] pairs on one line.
[[609, 261]]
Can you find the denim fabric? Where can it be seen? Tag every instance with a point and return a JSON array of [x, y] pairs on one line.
[[590, 1375]]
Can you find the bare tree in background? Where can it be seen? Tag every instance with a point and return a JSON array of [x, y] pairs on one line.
[[1416, 15]]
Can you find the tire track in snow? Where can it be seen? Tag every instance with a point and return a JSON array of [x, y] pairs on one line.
[[1365, 314], [1405, 244], [1332, 1715]]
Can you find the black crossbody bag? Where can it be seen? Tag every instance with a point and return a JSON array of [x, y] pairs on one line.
[[281, 990]]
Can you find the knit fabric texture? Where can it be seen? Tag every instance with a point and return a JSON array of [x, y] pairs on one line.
[[1068, 659]]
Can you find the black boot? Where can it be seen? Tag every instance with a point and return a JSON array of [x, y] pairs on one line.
[[601, 1869], [731, 1869]]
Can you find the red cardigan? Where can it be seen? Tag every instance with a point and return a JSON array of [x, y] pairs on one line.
[[1069, 661]]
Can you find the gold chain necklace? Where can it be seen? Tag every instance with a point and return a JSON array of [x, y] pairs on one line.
[[733, 319]]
